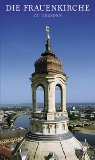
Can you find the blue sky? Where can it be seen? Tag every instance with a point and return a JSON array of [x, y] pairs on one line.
[[23, 40]]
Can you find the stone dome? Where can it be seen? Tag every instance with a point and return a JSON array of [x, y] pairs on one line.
[[67, 149]]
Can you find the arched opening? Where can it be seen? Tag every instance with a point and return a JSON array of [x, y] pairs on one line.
[[40, 98], [58, 98]]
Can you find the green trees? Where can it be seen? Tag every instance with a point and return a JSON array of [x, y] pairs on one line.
[[8, 120]]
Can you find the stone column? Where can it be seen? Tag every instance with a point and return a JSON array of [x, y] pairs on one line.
[[46, 98], [51, 97], [34, 97], [56, 128], [44, 129], [66, 127], [64, 98]]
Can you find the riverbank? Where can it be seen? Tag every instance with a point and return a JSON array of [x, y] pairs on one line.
[[19, 113], [84, 130]]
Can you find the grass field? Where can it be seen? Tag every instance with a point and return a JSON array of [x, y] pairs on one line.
[[90, 127]]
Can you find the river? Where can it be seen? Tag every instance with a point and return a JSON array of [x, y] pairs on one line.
[[23, 121]]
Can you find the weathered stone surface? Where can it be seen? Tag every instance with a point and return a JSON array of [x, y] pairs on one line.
[[64, 149]]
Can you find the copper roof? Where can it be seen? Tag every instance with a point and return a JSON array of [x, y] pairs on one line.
[[6, 153], [48, 63]]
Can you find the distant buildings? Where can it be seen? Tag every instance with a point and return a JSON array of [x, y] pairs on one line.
[[5, 153], [1, 116], [81, 112]]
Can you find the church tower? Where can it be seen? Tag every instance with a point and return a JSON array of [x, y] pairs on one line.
[[49, 137], [48, 74]]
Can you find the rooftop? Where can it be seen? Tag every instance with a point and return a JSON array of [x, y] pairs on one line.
[[6, 153]]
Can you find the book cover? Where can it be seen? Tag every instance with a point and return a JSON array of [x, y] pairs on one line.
[[64, 29]]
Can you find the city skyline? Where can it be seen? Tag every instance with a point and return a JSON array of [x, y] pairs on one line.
[[23, 40]]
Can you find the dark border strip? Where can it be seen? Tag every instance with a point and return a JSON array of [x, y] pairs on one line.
[[38, 137]]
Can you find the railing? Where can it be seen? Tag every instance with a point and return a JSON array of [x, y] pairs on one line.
[[39, 115], [59, 116], [43, 116]]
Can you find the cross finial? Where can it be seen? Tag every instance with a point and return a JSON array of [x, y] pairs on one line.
[[47, 33], [48, 45], [48, 39]]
